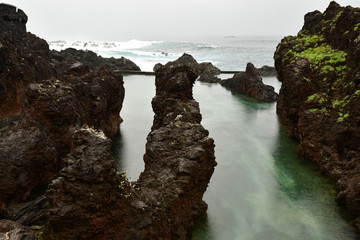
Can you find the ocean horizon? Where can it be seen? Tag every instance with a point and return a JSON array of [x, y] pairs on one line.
[[229, 53]]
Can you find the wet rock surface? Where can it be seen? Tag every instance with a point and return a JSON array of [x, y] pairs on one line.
[[318, 100], [251, 84]]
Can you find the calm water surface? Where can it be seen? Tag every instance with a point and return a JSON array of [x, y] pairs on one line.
[[261, 189]]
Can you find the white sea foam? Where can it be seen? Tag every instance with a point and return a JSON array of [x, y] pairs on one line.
[[225, 53], [99, 46]]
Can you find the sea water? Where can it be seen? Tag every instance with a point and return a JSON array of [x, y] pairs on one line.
[[261, 188], [229, 53]]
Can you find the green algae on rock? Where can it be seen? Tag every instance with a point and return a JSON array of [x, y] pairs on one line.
[[319, 98]]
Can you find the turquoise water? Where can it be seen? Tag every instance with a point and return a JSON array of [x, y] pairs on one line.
[[261, 189]]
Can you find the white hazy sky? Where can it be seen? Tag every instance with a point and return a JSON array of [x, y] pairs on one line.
[[157, 19]]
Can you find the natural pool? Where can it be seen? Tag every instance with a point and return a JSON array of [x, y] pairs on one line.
[[261, 189]]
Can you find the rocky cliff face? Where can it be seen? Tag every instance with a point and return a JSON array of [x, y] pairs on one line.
[[164, 202], [251, 84], [320, 94], [61, 143], [39, 115], [179, 158], [25, 58], [41, 139]]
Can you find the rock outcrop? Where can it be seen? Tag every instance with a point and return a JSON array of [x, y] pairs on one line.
[[320, 94], [41, 139], [39, 114], [58, 138], [15, 231], [250, 83], [23, 59], [71, 57], [164, 202], [206, 71], [266, 71], [179, 158]]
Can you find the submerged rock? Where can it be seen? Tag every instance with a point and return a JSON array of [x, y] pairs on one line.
[[250, 83], [320, 94]]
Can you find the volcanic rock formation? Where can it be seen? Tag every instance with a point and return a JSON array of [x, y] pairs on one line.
[[207, 71], [25, 58], [32, 151], [57, 117], [71, 57], [266, 71], [250, 83], [164, 202], [320, 94], [14, 231]]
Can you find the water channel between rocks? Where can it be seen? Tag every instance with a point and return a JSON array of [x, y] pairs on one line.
[[261, 189]]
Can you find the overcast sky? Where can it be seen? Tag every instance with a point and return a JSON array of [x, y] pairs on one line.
[[157, 19]]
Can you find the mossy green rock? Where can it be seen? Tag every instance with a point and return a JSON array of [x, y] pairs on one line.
[[320, 94]]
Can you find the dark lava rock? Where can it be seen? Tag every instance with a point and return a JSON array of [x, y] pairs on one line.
[[42, 137], [89, 200], [24, 58], [250, 83], [13, 20], [209, 78], [15, 231], [29, 213], [208, 68], [66, 58], [184, 60], [59, 141], [266, 71], [320, 94], [179, 158], [166, 199], [206, 71]]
